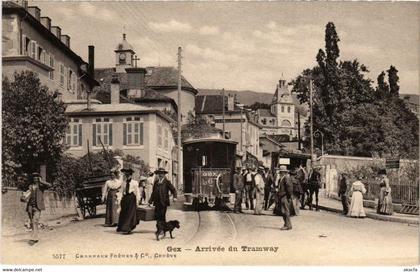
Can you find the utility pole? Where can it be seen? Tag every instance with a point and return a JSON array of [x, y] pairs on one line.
[[180, 164], [223, 111], [312, 121]]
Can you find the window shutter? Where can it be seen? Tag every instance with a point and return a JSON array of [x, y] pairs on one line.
[[110, 134], [80, 134], [124, 134], [141, 133], [136, 133], [94, 135], [24, 45]]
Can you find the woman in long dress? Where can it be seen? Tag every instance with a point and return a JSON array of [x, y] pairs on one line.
[[385, 198], [110, 198], [356, 207], [131, 196]]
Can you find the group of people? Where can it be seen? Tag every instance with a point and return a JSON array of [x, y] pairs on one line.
[[356, 191], [122, 212], [260, 189]]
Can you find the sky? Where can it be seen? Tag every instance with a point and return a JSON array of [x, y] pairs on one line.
[[245, 45]]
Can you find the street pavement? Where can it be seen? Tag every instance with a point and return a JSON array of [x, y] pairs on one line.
[[211, 237]]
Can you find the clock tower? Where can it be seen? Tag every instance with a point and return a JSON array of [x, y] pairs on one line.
[[124, 55]]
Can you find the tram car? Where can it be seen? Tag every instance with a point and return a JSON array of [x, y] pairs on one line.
[[208, 170]]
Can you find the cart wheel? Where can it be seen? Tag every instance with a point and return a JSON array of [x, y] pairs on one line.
[[91, 210]]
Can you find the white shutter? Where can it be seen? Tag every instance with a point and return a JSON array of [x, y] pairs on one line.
[[24, 52]]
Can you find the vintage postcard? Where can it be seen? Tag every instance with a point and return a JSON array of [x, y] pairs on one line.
[[210, 133]]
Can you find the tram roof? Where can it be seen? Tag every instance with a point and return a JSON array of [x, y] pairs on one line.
[[209, 140]]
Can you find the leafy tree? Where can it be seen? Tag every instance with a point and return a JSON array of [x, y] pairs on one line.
[[393, 79], [33, 125]]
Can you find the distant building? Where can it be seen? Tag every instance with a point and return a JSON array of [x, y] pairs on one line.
[[31, 42], [239, 123], [163, 80], [282, 118]]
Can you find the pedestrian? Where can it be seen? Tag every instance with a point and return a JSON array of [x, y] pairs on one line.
[[285, 192], [259, 189], [36, 204], [131, 196], [314, 184], [149, 185], [110, 196], [302, 177], [249, 190], [343, 192], [297, 192], [274, 193], [268, 183], [385, 198], [160, 195], [356, 206], [238, 186]]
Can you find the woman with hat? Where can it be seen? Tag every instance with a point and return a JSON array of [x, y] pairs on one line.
[[385, 198], [131, 196], [110, 198], [160, 195], [356, 206]]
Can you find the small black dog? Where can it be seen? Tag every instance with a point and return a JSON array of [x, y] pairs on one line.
[[163, 227]]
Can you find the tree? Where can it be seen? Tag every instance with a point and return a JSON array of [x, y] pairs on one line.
[[259, 105], [393, 79], [33, 125]]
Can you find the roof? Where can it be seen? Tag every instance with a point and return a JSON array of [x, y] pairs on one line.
[[124, 45], [157, 78], [211, 104], [112, 109], [10, 7], [151, 95], [265, 113]]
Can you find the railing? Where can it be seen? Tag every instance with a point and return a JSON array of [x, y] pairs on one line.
[[402, 192]]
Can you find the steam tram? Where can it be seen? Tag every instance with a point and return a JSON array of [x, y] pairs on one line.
[[209, 162]]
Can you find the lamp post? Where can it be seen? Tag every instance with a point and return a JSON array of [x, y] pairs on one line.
[[318, 132], [241, 106]]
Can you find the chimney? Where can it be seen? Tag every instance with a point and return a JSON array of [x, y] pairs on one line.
[[135, 76], [46, 21], [91, 56], [231, 102], [56, 30], [35, 11], [115, 90], [65, 39]]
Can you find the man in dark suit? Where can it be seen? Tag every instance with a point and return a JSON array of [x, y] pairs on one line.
[[36, 204], [238, 186], [160, 195], [284, 196], [268, 182], [343, 189]]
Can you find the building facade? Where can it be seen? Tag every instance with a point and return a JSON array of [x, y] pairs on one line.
[[31, 42]]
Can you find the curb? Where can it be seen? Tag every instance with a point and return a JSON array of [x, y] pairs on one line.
[[376, 216]]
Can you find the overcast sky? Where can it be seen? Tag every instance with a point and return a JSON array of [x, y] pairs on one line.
[[243, 45]]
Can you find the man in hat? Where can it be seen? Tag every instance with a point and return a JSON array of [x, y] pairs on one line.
[[238, 185], [36, 204], [160, 195], [131, 196], [343, 192], [249, 188], [314, 184], [284, 196], [259, 189]]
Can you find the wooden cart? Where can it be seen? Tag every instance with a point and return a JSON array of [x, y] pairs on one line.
[[89, 194]]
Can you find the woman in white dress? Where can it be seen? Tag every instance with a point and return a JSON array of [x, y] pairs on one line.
[[356, 207], [110, 196]]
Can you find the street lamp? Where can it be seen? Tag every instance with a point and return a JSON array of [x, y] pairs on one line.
[[319, 133], [241, 106]]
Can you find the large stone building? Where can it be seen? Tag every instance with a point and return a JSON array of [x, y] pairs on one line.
[[163, 80], [31, 42], [282, 118], [239, 123]]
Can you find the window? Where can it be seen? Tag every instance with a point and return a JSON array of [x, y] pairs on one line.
[[133, 131], [282, 108], [74, 133], [41, 55], [264, 121], [52, 64], [286, 123], [33, 48], [166, 139], [159, 134], [288, 109], [69, 80], [81, 91], [62, 75], [102, 131]]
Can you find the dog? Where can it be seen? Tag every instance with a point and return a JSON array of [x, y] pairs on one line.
[[163, 227]]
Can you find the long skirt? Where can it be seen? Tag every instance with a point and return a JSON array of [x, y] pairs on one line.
[[356, 206], [385, 202], [128, 215], [111, 215]]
